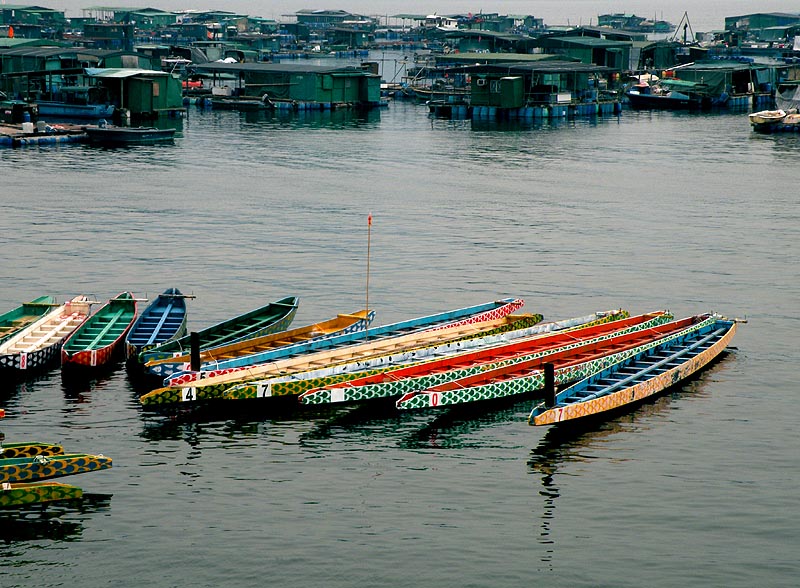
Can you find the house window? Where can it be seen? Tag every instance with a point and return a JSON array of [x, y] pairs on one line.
[[494, 86]]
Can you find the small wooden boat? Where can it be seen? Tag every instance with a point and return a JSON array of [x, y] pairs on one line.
[[97, 341], [421, 376], [163, 320], [341, 324], [33, 469], [17, 495], [569, 365], [40, 342], [766, 117], [375, 337], [638, 377], [271, 318], [212, 387], [31, 449], [112, 135], [17, 319]]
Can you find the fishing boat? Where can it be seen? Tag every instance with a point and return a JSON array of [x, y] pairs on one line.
[[299, 378], [20, 317], [635, 378], [97, 341], [34, 469], [31, 449], [472, 315], [212, 387], [40, 342], [670, 94], [112, 135], [271, 318], [162, 320], [396, 383], [569, 365], [17, 495], [341, 324]]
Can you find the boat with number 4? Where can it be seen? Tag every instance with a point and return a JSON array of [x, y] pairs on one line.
[[163, 320], [638, 377], [341, 324], [20, 317], [40, 342], [271, 318], [97, 341]]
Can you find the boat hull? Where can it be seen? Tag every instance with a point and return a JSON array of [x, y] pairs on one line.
[[42, 468], [635, 393], [20, 495], [128, 136], [99, 340], [162, 321], [83, 111]]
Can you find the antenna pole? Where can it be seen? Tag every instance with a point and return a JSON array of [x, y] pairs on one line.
[[369, 241]]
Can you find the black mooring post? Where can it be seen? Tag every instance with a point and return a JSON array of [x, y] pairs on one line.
[[194, 341], [550, 384]]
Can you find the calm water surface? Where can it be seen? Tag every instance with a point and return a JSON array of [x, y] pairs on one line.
[[644, 211]]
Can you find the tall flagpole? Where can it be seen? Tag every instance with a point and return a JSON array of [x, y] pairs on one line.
[[369, 240]]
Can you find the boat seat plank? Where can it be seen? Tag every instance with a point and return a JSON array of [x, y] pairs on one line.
[[113, 320]]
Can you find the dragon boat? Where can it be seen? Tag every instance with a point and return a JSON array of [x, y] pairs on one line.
[[397, 382], [341, 324], [472, 315], [271, 318], [569, 365], [638, 377], [34, 469], [18, 318]]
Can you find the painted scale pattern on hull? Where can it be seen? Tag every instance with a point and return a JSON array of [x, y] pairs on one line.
[[183, 378], [42, 468], [17, 495], [28, 361], [403, 386], [15, 450], [533, 382], [634, 393]]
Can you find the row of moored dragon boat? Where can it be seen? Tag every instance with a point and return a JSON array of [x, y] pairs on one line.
[[574, 368]]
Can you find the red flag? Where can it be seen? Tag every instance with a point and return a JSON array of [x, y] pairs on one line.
[[10, 32], [369, 220]]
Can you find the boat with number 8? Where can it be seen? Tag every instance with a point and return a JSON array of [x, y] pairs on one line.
[[97, 340], [637, 377]]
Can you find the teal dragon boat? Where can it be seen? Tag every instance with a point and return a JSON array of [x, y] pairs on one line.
[[272, 318], [14, 320]]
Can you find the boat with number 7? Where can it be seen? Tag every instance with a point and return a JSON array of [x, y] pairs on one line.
[[400, 381], [638, 377], [569, 365]]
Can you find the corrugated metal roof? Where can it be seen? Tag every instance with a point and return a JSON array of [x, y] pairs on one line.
[[270, 68], [113, 72]]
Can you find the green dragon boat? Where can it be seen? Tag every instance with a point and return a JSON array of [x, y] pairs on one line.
[[20, 495], [34, 469], [13, 321]]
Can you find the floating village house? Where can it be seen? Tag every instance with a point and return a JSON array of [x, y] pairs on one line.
[[302, 86]]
